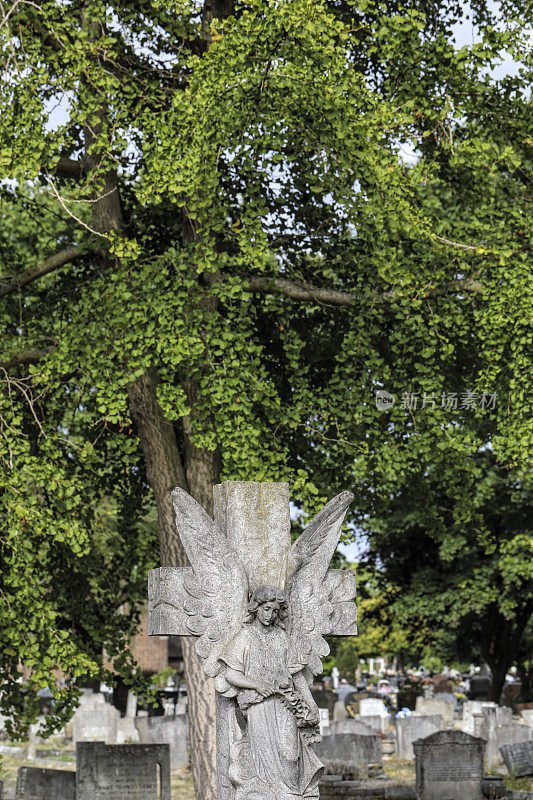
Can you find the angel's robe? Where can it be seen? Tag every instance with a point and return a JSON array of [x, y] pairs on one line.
[[271, 761]]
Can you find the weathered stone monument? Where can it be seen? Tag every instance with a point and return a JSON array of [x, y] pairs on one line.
[[409, 729], [436, 705], [449, 765], [349, 726], [95, 720], [527, 716], [324, 720], [472, 707], [346, 752], [36, 783], [126, 730], [173, 731], [120, 771], [260, 608], [510, 733], [372, 707], [518, 758]]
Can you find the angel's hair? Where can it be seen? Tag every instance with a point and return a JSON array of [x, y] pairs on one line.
[[265, 594]]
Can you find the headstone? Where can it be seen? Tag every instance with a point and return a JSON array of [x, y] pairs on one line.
[[117, 772], [479, 726], [507, 734], [449, 766], [349, 726], [479, 688], [339, 711], [471, 707], [442, 684], [409, 729], [255, 601], [372, 707], [35, 783], [324, 720], [95, 720], [518, 758], [493, 717], [436, 705], [527, 716], [126, 730], [173, 731], [353, 750], [375, 723]]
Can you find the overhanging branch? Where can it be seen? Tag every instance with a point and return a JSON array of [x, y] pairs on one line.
[[14, 282], [305, 292]]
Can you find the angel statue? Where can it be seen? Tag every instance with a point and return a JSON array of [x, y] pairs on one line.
[[260, 607]]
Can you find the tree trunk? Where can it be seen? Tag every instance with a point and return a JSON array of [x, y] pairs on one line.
[[164, 467], [501, 647], [165, 470]]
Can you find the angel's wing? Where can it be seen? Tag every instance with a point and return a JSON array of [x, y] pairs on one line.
[[313, 599], [217, 589]]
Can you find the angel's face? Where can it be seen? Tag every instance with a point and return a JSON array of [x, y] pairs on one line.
[[268, 611]]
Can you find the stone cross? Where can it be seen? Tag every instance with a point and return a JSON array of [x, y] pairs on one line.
[[259, 608]]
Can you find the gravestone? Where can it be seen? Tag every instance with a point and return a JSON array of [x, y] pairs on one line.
[[493, 717], [372, 707], [436, 705], [349, 726], [518, 758], [471, 707], [376, 724], [527, 716], [256, 602], [173, 731], [126, 730], [122, 771], [339, 711], [449, 766], [36, 783], [324, 721], [479, 726], [350, 750], [479, 688], [409, 729], [507, 734], [95, 720]]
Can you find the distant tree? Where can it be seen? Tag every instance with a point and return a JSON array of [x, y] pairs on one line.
[[463, 570]]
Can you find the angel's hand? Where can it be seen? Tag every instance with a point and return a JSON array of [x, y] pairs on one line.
[[263, 689], [314, 715]]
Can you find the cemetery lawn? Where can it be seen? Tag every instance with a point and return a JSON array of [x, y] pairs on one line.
[[520, 784], [402, 772], [182, 788]]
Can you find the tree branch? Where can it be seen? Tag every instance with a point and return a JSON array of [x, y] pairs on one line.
[[11, 284], [306, 292], [69, 168], [32, 355]]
